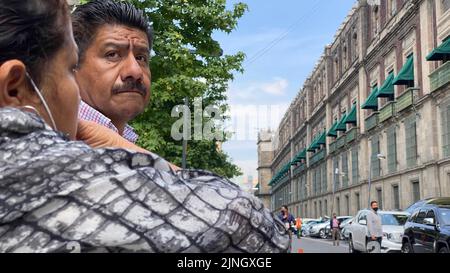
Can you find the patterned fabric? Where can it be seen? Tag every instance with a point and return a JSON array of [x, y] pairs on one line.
[[58, 195], [86, 112]]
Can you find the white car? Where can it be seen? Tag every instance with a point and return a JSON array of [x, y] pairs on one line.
[[392, 224]]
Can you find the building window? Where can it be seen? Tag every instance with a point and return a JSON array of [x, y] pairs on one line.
[[380, 198], [320, 207], [396, 197], [375, 162], [355, 45], [358, 202], [347, 204], [411, 141], [392, 7], [416, 191], [315, 210], [326, 206], [445, 119], [338, 206], [306, 210], [335, 177], [355, 165], [376, 20], [391, 149], [319, 179], [445, 4], [324, 178], [344, 169], [336, 67]]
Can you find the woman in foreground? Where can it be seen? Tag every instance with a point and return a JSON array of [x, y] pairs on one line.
[[61, 195]]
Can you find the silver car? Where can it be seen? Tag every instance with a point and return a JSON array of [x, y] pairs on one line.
[[392, 224]]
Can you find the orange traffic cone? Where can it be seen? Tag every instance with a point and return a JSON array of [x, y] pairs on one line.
[[300, 250]]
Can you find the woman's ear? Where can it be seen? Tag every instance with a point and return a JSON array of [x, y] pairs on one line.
[[14, 87]]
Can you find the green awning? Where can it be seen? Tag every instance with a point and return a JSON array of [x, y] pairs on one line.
[[301, 155], [341, 125], [406, 74], [322, 139], [387, 89], [372, 100], [332, 132], [312, 147], [351, 117], [441, 52]]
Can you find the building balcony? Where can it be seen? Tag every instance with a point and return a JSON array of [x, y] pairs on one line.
[[351, 135], [317, 157], [340, 142], [440, 77], [372, 121], [299, 169], [332, 147], [406, 99], [387, 111], [283, 180]]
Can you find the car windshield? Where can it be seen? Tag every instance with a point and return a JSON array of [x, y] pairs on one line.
[[445, 216], [413, 207], [393, 219]]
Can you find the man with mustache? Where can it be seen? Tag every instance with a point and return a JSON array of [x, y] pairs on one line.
[[114, 39]]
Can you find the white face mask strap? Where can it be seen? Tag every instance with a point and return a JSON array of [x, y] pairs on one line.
[[43, 101]]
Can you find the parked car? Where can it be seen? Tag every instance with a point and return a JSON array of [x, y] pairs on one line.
[[319, 229], [344, 228], [428, 228], [305, 227], [392, 224], [341, 220]]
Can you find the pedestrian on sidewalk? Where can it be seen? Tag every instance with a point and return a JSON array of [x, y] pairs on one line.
[[298, 226], [374, 227], [287, 219], [335, 232]]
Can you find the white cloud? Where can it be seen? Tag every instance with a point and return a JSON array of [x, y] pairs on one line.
[[277, 88]]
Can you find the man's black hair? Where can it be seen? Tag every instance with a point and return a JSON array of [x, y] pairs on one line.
[[371, 203], [88, 18]]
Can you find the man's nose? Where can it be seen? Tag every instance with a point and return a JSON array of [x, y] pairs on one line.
[[131, 69]]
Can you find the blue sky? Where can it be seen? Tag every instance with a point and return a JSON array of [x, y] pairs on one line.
[[282, 40]]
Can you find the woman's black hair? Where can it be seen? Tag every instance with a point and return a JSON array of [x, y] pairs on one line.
[[32, 31], [88, 18]]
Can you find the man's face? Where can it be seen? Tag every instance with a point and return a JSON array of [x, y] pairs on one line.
[[114, 75], [375, 206]]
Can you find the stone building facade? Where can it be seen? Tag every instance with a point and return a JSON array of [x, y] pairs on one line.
[[379, 97]]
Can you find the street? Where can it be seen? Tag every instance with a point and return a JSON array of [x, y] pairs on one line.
[[317, 245]]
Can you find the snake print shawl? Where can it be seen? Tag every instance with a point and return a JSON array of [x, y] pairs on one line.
[[58, 195]]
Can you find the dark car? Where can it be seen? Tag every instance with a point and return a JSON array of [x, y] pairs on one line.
[[428, 228], [418, 204]]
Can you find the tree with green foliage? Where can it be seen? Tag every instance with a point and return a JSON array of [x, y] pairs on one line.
[[187, 62]]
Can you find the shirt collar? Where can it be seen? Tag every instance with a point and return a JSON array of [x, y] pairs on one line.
[[86, 112]]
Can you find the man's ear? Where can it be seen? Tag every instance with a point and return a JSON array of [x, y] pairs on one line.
[[14, 86]]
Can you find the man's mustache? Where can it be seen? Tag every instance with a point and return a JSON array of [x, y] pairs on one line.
[[130, 86]]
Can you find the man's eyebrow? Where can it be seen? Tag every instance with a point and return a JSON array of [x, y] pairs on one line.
[[126, 45]]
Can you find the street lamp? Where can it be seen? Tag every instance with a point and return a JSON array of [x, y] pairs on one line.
[[335, 173], [379, 156]]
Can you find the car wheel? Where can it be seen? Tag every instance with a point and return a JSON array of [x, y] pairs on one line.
[[443, 250], [322, 234], [303, 233], [406, 247]]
